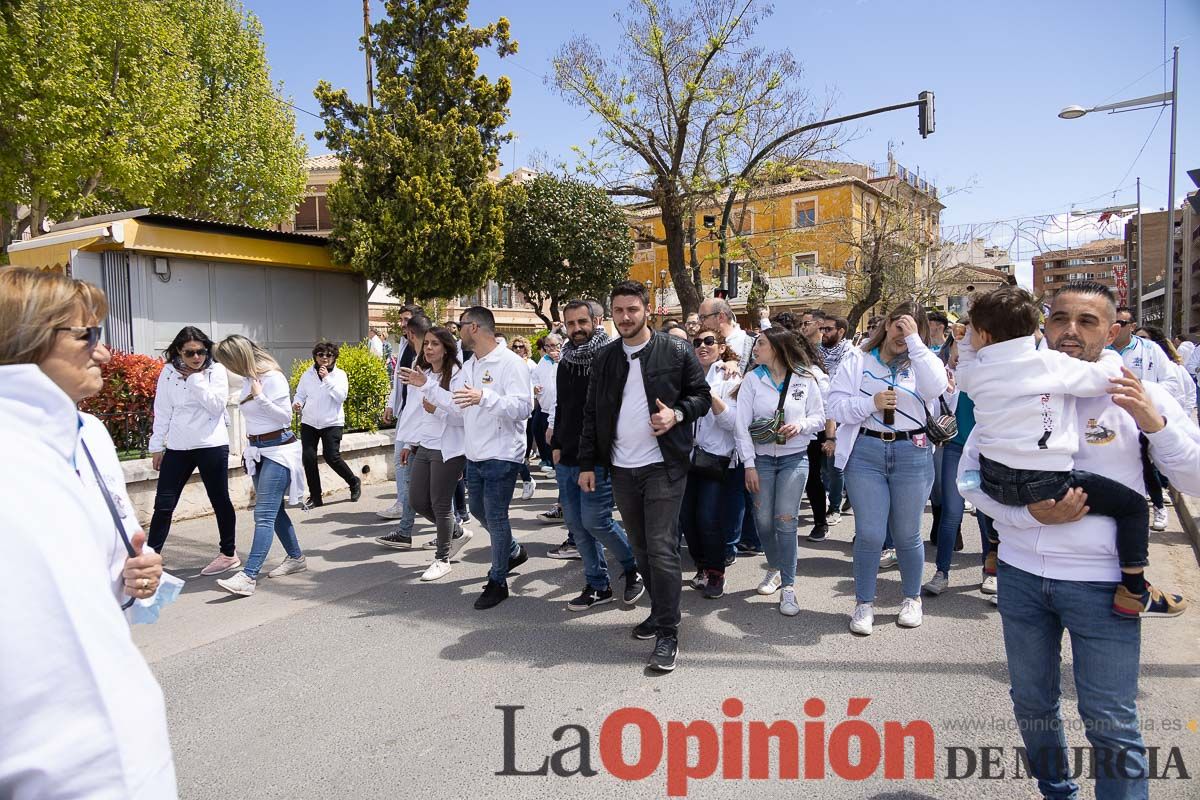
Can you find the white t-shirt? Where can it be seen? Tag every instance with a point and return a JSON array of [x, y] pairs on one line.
[[635, 444]]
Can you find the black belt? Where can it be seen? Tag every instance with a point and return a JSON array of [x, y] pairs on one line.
[[890, 436]]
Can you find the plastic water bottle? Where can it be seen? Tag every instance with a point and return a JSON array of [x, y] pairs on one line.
[[969, 480]]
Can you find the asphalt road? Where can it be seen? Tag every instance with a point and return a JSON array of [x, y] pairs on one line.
[[356, 680]]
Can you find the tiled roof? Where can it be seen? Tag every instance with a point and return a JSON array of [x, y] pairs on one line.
[[775, 190], [1098, 247], [327, 161]]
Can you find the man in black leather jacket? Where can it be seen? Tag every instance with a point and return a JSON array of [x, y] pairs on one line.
[[638, 422]]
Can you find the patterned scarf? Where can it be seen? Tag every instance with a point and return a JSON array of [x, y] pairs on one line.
[[580, 356], [833, 355]]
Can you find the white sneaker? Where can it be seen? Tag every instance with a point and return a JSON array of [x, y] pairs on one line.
[[289, 566], [770, 583], [437, 569], [910, 613], [240, 583], [1160, 520], [528, 489], [457, 544], [937, 584], [787, 602], [995, 599], [887, 559], [862, 620], [394, 511], [968, 507], [833, 518], [548, 471], [989, 584]]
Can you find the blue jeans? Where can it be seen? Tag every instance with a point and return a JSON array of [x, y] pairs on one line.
[[271, 481], [781, 482], [888, 484], [588, 516], [951, 502], [711, 516], [410, 515], [835, 484], [988, 539], [1105, 649], [490, 487], [748, 534]]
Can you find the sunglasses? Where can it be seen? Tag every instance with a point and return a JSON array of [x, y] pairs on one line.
[[1124, 322], [825, 330], [194, 353], [324, 355], [706, 341], [91, 333]]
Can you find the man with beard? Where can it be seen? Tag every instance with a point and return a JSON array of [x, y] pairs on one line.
[[588, 515], [1058, 566], [648, 389]]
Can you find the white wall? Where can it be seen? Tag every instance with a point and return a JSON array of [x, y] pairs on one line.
[[285, 310]]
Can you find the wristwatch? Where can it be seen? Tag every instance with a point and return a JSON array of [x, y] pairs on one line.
[[678, 417]]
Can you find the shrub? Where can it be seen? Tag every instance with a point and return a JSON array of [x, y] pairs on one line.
[[126, 402], [369, 386]]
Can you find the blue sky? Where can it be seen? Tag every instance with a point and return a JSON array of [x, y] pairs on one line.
[[1000, 72]]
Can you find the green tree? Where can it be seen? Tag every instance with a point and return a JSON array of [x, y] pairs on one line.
[[414, 207], [116, 104], [563, 239]]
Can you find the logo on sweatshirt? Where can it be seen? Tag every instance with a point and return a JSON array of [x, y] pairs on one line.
[[487, 376], [1095, 433], [797, 392]]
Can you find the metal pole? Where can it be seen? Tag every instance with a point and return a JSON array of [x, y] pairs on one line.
[[1140, 263], [1169, 285], [367, 52]]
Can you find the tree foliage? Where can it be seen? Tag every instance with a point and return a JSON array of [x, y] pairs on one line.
[[116, 104], [563, 239], [414, 207], [689, 109]]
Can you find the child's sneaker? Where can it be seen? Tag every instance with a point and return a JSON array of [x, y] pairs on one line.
[[1151, 603]]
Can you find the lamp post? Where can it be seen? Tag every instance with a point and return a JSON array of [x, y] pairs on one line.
[[1171, 97], [662, 294]]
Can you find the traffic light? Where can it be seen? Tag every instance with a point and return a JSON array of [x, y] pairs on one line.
[[1194, 198], [925, 114]]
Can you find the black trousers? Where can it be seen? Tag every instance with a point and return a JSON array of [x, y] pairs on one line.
[[649, 502], [1105, 497], [331, 446], [539, 423], [818, 495], [177, 468]]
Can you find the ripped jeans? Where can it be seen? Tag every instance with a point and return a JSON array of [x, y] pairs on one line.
[[781, 481]]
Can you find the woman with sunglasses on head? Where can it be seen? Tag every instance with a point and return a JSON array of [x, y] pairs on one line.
[[779, 410], [714, 500], [880, 399], [320, 399], [189, 434], [69, 667], [272, 457]]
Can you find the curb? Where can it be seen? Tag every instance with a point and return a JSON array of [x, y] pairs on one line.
[[1187, 508]]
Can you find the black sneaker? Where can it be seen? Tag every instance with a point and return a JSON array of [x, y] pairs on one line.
[[356, 491], [666, 647], [846, 509], [697, 581], [395, 539], [645, 630], [730, 560], [634, 587], [493, 595], [520, 558], [715, 587], [819, 533], [589, 598]]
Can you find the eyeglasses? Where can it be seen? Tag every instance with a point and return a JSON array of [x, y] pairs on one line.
[[706, 341], [826, 330], [1124, 322], [194, 353], [91, 333]]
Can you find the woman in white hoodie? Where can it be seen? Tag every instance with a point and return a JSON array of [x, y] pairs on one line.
[[189, 434], [880, 397], [272, 458], [438, 455], [784, 387], [320, 399], [69, 667]]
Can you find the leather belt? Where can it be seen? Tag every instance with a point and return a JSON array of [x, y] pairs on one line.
[[890, 436], [258, 438]]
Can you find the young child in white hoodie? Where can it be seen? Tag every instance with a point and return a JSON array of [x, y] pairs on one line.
[[1027, 435]]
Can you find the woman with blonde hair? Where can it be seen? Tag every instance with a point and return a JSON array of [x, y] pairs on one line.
[[273, 458], [74, 555]]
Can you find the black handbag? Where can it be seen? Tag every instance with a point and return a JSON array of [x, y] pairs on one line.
[[706, 465], [942, 428]]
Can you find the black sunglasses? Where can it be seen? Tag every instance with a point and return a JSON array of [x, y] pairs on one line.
[[91, 333], [707, 341], [1124, 322], [194, 353]]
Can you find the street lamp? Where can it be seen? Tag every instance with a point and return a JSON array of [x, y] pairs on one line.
[[1075, 112], [662, 293]]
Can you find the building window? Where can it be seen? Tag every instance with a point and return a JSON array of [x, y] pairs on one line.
[[742, 222], [306, 215], [645, 244], [804, 212], [804, 264]]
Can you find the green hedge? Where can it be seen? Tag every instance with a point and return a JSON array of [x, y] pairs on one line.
[[369, 386]]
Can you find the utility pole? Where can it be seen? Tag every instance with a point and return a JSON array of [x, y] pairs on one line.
[[367, 52], [1140, 263], [1169, 284]]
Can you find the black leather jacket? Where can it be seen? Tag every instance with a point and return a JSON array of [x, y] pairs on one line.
[[671, 373]]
